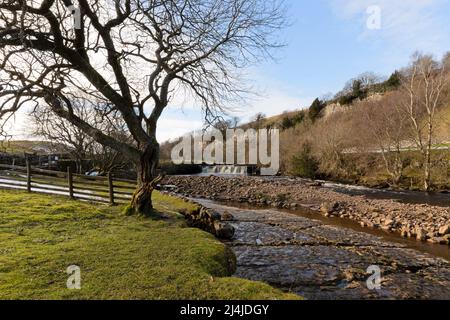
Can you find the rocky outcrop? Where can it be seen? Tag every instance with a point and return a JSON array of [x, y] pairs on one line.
[[209, 221], [418, 221]]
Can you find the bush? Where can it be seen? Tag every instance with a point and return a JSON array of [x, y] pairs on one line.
[[287, 123], [316, 108], [304, 164]]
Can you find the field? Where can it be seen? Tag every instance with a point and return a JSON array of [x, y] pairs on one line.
[[119, 257]]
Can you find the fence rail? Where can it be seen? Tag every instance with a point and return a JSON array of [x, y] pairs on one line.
[[108, 189]]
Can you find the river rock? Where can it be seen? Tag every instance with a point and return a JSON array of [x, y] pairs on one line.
[[224, 230], [325, 200], [226, 216], [214, 215], [329, 207], [421, 234], [444, 230]]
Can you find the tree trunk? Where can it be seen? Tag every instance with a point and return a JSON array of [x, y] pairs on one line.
[[427, 174], [427, 167], [79, 166], [141, 202]]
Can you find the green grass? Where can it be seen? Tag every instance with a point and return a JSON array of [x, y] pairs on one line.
[[21, 146], [120, 257]]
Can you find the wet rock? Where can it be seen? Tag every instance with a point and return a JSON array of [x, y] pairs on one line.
[[405, 232], [320, 261], [226, 216], [224, 230], [444, 230], [329, 207], [421, 234], [214, 215]]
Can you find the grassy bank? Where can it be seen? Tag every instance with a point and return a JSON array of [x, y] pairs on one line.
[[120, 257]]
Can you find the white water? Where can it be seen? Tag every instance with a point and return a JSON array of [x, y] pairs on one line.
[[225, 170]]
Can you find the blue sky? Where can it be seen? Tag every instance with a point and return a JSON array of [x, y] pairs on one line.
[[328, 43]]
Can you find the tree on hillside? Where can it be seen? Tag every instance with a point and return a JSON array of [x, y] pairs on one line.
[[258, 120], [304, 164], [394, 81], [357, 88], [315, 109], [381, 126], [425, 83], [134, 56]]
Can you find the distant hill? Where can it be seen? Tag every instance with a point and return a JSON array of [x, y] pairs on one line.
[[31, 147]]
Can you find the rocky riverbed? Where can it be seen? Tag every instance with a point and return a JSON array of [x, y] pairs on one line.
[[320, 261], [421, 221]]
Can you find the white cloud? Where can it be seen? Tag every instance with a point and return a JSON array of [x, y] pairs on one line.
[[170, 128], [273, 97]]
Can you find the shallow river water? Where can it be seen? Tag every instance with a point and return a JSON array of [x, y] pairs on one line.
[[323, 258]]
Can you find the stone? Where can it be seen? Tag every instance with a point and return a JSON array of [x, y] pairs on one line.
[[405, 232], [421, 234], [224, 230], [329, 207], [447, 238], [444, 230], [226, 216], [214, 215]]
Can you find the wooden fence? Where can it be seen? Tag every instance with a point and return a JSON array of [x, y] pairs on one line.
[[108, 189]]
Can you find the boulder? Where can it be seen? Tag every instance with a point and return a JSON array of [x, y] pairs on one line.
[[329, 207], [214, 215], [226, 216], [444, 230], [224, 230], [421, 234]]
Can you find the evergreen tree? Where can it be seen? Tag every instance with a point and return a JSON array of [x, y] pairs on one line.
[[316, 108]]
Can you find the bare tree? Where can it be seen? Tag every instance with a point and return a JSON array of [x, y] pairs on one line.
[[135, 56], [258, 119], [62, 133], [330, 139], [425, 82], [382, 127]]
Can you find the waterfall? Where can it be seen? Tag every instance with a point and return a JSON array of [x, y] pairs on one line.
[[225, 170]]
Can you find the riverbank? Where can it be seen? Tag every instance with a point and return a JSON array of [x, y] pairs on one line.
[[420, 221], [119, 257]]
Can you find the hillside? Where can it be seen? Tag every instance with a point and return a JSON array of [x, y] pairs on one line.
[[20, 147], [366, 134]]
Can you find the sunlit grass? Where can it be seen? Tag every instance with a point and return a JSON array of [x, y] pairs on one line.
[[120, 257]]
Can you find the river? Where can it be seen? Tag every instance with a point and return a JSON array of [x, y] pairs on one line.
[[327, 258]]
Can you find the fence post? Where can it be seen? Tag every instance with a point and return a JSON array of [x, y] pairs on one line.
[[70, 181], [27, 161], [111, 188]]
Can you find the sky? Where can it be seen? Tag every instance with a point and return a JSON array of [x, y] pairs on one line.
[[328, 42]]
